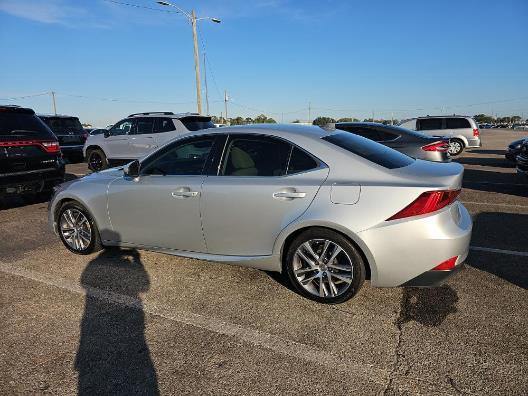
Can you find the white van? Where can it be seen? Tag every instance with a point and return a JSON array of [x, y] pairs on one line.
[[462, 131]]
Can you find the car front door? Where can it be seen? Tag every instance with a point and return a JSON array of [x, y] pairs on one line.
[[116, 141], [142, 139], [256, 193], [161, 207]]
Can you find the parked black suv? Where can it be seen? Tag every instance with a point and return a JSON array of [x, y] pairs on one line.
[[70, 133], [30, 156], [522, 160]]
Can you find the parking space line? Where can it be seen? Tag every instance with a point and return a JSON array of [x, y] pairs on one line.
[[254, 337], [500, 251], [494, 204]]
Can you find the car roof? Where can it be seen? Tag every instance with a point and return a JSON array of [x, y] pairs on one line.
[[167, 114], [17, 109], [445, 116], [273, 129], [56, 116]]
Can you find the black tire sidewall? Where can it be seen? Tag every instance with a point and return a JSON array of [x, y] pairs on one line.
[[103, 159], [95, 242], [350, 249]]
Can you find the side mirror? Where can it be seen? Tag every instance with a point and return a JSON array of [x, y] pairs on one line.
[[132, 169], [106, 133]]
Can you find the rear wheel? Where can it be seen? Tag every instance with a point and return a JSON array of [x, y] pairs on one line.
[[97, 160], [324, 266], [77, 229], [456, 146]]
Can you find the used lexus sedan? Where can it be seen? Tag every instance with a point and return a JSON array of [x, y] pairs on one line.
[[328, 208]]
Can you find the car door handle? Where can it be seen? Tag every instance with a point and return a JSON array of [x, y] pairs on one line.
[[184, 194], [289, 194]]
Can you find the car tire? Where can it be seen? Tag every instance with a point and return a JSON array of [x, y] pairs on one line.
[[456, 146], [96, 160], [340, 268], [77, 229]]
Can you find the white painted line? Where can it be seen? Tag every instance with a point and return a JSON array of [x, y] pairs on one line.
[[494, 204], [500, 251], [250, 336]]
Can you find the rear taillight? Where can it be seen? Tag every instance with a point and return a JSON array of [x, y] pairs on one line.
[[476, 132], [437, 146], [51, 147], [447, 265], [428, 202]]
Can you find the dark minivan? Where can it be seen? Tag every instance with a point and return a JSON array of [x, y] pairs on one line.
[[30, 157], [70, 133]]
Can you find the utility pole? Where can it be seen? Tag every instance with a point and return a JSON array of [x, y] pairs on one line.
[[225, 104], [392, 118], [205, 80], [309, 112], [53, 101], [196, 63]]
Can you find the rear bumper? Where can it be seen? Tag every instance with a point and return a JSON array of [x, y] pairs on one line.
[[511, 155], [433, 278], [474, 143], [78, 149], [30, 182]]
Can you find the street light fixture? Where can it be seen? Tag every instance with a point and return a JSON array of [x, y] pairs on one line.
[[192, 19]]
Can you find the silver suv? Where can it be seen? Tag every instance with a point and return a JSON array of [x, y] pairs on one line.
[[138, 135], [462, 131]]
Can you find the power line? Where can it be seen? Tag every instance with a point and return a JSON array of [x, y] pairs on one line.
[[25, 96], [141, 6]]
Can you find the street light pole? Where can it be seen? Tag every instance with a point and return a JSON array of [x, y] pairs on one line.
[[193, 19]]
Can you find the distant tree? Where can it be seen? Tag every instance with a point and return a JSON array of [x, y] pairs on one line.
[[249, 120], [515, 118], [263, 119], [484, 119], [347, 119], [238, 121], [322, 121], [296, 121]]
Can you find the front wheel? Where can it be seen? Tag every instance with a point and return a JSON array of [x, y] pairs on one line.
[[324, 266], [456, 146], [77, 229], [97, 160]]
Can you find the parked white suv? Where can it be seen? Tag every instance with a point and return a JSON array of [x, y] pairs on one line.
[[462, 131], [138, 135]]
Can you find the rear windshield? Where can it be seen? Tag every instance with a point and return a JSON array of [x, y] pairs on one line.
[[197, 123], [18, 125], [63, 124], [370, 150]]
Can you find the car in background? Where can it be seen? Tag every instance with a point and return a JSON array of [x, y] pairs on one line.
[[98, 131], [522, 160], [138, 135], [70, 133], [514, 149], [412, 143], [462, 131], [30, 157], [325, 208]]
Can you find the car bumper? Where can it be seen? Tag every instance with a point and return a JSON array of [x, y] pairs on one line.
[[522, 165], [474, 143], [433, 278], [30, 182], [403, 250], [69, 150], [511, 155]]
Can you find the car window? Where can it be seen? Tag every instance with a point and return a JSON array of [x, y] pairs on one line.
[[185, 158], [121, 128], [429, 124], [64, 124], [143, 126], [385, 136], [457, 123], [197, 123], [372, 151], [17, 124], [164, 125], [300, 161], [256, 156]]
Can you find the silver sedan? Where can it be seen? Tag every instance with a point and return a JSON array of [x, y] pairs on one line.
[[327, 208]]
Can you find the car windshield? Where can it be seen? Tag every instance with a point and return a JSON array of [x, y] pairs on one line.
[[370, 150], [197, 123], [63, 124], [19, 124]]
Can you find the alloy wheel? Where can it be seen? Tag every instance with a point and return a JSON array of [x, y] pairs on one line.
[[455, 147], [323, 268], [75, 229], [96, 162]]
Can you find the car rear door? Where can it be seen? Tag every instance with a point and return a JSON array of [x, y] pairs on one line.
[[142, 138], [257, 191]]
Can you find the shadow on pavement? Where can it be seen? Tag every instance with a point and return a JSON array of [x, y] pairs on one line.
[[427, 306], [506, 231], [487, 161], [498, 182], [490, 152], [113, 356]]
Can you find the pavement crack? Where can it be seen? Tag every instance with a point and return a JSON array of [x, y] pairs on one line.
[[389, 389], [455, 387]]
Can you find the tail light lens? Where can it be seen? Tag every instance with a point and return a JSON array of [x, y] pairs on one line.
[[428, 202], [476, 132], [446, 265], [51, 147], [440, 146]]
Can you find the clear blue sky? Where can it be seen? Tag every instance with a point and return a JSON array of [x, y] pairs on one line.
[[348, 58]]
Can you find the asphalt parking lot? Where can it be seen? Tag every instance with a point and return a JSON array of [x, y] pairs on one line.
[[146, 323]]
